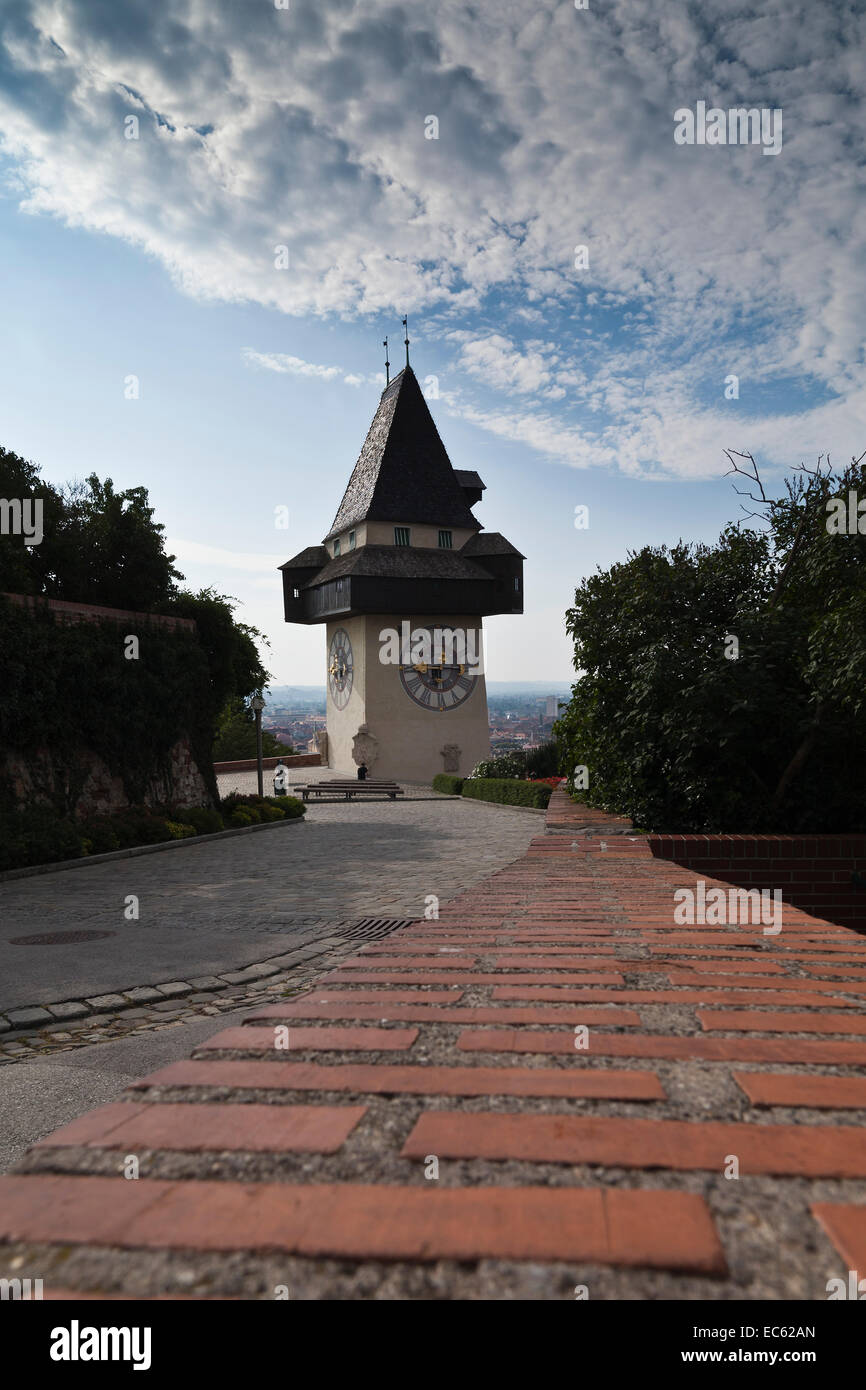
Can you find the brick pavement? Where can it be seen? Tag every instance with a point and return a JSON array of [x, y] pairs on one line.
[[552, 1085]]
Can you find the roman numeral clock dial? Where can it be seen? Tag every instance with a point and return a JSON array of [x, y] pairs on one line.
[[340, 668], [437, 686]]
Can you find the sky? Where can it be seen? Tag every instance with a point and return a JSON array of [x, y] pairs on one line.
[[213, 211]]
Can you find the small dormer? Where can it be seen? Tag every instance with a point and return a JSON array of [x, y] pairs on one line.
[[471, 484]]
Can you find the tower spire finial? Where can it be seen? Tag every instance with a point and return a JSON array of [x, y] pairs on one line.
[[387, 363], [406, 339]]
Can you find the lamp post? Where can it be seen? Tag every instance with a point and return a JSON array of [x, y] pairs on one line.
[[257, 704]]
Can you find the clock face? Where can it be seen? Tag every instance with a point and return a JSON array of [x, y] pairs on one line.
[[340, 668], [437, 687]]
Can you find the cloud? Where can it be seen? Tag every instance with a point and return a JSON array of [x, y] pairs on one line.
[[305, 128], [196, 553], [296, 366]]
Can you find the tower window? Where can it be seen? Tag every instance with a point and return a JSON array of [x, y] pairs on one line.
[[296, 593], [336, 548], [516, 583], [444, 540], [351, 540], [401, 535]]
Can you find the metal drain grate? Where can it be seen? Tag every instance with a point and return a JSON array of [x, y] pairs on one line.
[[372, 928], [60, 938]]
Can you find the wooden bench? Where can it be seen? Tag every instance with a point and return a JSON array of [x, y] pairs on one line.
[[347, 788]]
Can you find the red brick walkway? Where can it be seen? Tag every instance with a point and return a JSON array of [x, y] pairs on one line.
[[610, 1099]]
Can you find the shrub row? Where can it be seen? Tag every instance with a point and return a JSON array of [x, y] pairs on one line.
[[508, 791], [448, 783], [39, 835]]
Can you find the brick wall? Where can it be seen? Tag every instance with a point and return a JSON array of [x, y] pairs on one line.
[[817, 873]]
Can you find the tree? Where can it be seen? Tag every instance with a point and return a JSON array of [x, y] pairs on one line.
[[104, 547], [683, 728], [110, 550], [236, 735], [98, 546], [22, 567], [231, 647]]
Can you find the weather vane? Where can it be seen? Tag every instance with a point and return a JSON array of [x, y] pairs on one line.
[[406, 339], [387, 363]]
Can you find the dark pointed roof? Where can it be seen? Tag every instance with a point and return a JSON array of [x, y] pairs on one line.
[[403, 472]]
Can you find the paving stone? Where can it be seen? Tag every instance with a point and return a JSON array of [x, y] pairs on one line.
[[607, 1016], [659, 1229], [825, 1152], [657, 1045], [108, 1002], [175, 989], [315, 1039], [794, 1089], [207, 982], [481, 977], [70, 1008], [751, 1021], [381, 1079], [563, 995], [29, 1018], [845, 1224], [196, 1128], [144, 994]]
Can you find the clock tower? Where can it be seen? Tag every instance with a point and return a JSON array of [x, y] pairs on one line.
[[402, 582]]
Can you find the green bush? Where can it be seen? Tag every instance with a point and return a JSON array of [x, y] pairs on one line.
[[543, 761], [508, 791], [503, 765], [203, 820], [137, 825], [37, 835], [178, 830], [238, 809], [99, 835], [446, 782]]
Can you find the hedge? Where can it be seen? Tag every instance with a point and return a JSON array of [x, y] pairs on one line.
[[36, 834], [508, 791], [448, 783]]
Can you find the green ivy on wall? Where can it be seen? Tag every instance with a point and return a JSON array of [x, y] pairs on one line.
[[68, 688]]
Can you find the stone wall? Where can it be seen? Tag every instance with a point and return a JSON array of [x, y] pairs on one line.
[[85, 784], [80, 780], [288, 760], [66, 612]]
